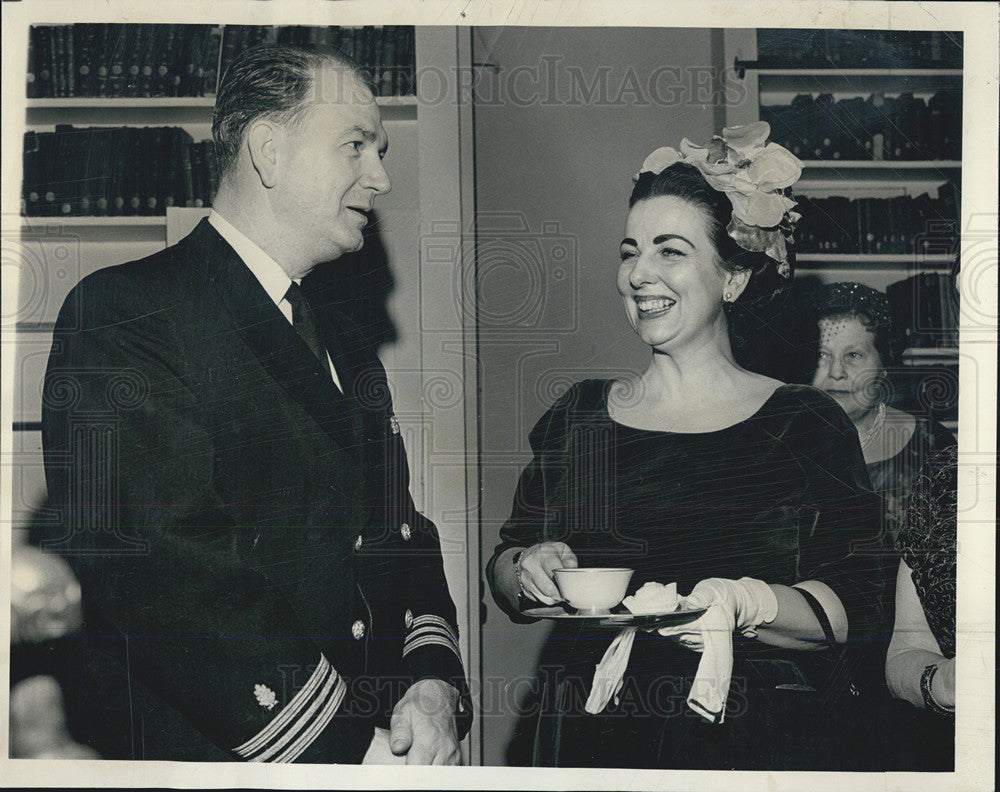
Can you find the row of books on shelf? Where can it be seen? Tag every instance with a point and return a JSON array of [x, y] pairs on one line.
[[132, 60], [859, 49], [115, 171], [122, 60], [873, 128], [903, 224], [925, 308]]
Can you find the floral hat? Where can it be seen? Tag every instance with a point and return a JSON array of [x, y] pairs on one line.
[[755, 175]]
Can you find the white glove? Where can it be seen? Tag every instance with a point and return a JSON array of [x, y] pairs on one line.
[[747, 603], [742, 605]]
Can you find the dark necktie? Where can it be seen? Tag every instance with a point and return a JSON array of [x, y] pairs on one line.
[[305, 323]]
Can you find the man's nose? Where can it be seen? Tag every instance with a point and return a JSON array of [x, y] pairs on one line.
[[376, 178]]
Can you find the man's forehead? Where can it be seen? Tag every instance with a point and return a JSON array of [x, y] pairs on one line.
[[345, 102], [338, 85]]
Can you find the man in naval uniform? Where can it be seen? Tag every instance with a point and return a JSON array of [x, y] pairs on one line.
[[232, 485]]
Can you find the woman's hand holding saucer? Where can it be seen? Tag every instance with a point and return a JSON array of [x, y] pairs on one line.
[[534, 570]]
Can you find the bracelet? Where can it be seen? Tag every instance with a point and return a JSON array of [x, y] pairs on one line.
[[516, 559], [926, 679]]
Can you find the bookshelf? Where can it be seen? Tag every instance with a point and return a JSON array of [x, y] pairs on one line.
[[895, 99]]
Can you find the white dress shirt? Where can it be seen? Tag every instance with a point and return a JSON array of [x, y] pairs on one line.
[[265, 269]]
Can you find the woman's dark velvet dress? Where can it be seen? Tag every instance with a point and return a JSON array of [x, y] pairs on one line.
[[782, 496]]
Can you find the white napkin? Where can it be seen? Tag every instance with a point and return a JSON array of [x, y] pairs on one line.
[[610, 672]]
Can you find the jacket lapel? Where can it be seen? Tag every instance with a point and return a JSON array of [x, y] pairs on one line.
[[264, 329]]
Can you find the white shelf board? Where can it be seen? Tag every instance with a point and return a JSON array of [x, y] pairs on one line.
[[779, 86], [951, 353], [881, 164], [160, 102], [874, 258], [168, 102], [35, 223], [805, 71]]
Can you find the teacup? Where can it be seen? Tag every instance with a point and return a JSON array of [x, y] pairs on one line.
[[593, 589]]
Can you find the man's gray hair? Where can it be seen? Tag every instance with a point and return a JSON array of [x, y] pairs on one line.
[[276, 81]]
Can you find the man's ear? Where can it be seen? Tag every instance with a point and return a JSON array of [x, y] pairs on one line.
[[736, 282], [262, 141]]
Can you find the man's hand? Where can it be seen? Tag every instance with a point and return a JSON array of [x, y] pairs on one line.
[[423, 724]]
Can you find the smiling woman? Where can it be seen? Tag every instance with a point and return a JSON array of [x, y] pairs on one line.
[[746, 492]]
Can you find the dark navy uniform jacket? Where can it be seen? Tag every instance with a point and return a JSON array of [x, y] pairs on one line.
[[257, 582]]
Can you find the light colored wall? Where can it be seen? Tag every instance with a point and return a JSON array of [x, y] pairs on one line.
[[557, 177]]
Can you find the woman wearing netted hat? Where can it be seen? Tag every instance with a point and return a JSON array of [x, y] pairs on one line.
[[857, 344], [746, 492]]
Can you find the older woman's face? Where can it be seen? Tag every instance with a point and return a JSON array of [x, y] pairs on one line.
[[849, 366], [669, 278]]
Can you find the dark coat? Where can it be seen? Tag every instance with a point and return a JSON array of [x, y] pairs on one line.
[[257, 582]]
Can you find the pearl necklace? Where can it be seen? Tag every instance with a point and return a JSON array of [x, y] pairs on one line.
[[873, 430]]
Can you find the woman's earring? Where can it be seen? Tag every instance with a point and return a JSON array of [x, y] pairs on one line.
[[727, 297]]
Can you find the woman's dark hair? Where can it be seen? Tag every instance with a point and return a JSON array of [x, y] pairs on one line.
[[273, 80], [759, 319], [870, 307]]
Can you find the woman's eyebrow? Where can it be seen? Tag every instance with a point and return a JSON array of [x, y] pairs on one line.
[[667, 237]]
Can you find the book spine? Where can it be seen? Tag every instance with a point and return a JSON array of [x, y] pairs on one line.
[[81, 169], [116, 60], [187, 67], [89, 172], [31, 80], [84, 36], [405, 72], [31, 183], [211, 82], [152, 42], [135, 43], [187, 178], [69, 62], [197, 174], [387, 62], [57, 61], [101, 60], [64, 182], [43, 60]]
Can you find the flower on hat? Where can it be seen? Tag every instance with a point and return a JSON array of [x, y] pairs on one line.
[[754, 174]]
